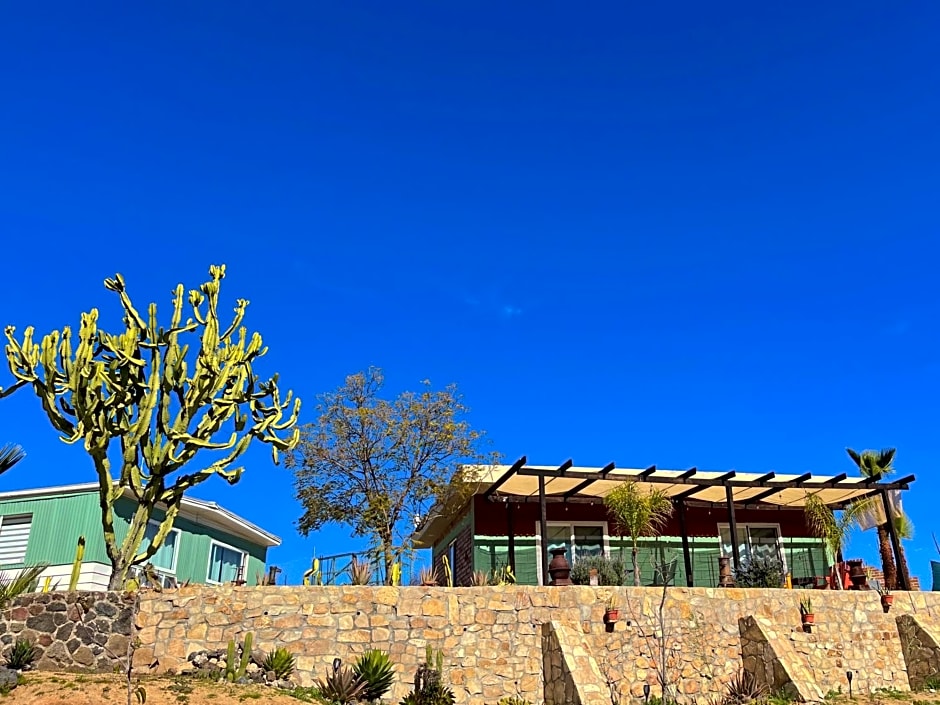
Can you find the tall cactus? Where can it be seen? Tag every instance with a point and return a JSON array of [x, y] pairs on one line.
[[144, 403]]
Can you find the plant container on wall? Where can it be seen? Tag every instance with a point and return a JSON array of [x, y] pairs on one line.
[[887, 601], [725, 577], [559, 568], [611, 615]]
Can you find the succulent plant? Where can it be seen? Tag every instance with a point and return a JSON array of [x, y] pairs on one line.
[[375, 668]]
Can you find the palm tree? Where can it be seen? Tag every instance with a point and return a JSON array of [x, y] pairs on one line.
[[10, 455], [881, 462], [638, 514], [832, 529]]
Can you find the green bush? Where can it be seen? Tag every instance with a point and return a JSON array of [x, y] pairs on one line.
[[759, 572], [610, 571]]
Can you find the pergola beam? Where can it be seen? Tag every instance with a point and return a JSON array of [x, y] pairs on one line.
[[513, 469], [605, 471]]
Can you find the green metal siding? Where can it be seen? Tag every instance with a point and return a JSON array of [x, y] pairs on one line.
[[192, 561], [56, 525], [58, 521]]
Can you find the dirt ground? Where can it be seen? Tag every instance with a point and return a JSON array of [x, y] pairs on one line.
[[105, 689]]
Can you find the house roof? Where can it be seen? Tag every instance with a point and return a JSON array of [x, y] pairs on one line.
[[197, 510], [519, 482]]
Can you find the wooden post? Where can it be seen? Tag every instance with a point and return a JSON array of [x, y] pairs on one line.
[[733, 526], [686, 556], [543, 529], [895, 541], [511, 531]]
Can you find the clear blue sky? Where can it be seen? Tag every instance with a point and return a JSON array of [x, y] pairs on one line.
[[683, 234]]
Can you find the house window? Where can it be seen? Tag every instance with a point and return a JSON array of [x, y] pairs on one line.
[[226, 563], [164, 560], [580, 540], [14, 536], [753, 540]]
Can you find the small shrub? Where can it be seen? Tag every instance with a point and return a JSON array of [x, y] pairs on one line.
[[513, 700], [375, 669], [21, 655], [280, 662], [480, 578], [742, 689], [610, 571], [759, 572]]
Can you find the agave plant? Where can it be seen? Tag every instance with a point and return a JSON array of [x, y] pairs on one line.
[[21, 655], [480, 578], [24, 581], [342, 686], [360, 572], [742, 689], [428, 576], [280, 662], [375, 669]]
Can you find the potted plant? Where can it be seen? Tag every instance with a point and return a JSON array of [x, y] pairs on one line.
[[612, 610], [887, 599], [806, 611]]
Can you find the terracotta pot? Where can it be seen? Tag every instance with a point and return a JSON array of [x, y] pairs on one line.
[[887, 601], [809, 618], [558, 568], [611, 615]]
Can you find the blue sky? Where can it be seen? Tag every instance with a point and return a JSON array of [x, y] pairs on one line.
[[683, 234]]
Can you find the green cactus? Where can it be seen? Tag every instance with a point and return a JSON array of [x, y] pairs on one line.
[[77, 564], [144, 402], [232, 673]]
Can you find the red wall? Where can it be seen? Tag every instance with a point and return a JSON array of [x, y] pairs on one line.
[[700, 521]]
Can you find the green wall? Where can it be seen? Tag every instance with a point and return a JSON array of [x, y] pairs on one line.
[[192, 561], [805, 557], [59, 520], [72, 515]]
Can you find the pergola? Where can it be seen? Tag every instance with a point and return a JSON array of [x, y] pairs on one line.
[[520, 482]]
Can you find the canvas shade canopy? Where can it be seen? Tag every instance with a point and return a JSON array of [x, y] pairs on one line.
[[544, 484]]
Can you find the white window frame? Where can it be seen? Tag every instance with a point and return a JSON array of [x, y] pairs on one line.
[[781, 554], [244, 563], [571, 542], [176, 550]]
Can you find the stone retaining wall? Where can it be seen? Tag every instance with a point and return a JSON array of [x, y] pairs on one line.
[[72, 631], [492, 638]]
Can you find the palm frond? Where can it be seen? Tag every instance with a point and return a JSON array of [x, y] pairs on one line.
[[10, 455], [856, 458], [904, 527], [639, 513]]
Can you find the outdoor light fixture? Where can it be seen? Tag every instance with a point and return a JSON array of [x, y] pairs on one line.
[[848, 675], [646, 692], [337, 662]]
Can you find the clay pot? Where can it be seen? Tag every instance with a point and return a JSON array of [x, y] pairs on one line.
[[611, 615], [809, 618], [558, 568], [887, 601]]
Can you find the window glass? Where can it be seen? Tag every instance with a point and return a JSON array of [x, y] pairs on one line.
[[224, 564], [165, 557], [588, 541], [559, 536]]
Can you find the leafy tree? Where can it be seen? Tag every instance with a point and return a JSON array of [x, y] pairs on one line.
[[139, 401], [638, 513], [10, 455], [881, 462], [378, 465]]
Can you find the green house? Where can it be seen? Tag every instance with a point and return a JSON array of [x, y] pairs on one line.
[[719, 519], [208, 543]]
